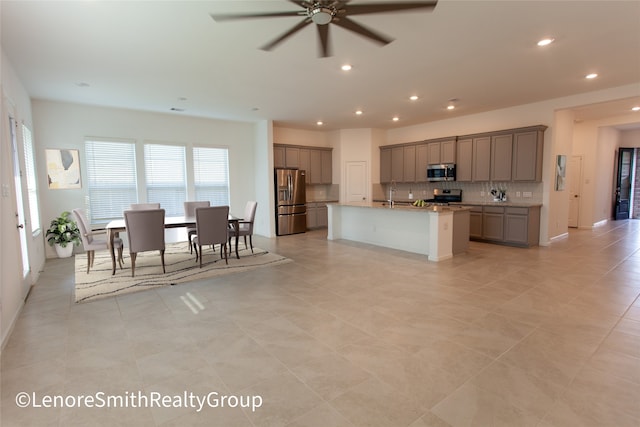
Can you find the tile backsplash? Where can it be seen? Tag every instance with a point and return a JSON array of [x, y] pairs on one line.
[[517, 192]]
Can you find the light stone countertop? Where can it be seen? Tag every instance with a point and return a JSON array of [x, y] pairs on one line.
[[405, 207]]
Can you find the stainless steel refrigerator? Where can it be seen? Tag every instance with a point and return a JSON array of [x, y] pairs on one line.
[[291, 211]]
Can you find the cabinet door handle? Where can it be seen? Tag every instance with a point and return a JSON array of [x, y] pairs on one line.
[[20, 226]]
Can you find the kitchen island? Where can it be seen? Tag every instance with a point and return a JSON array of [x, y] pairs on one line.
[[440, 232]]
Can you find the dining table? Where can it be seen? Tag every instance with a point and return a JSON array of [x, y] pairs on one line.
[[117, 226]]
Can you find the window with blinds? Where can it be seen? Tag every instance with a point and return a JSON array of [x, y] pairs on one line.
[[211, 175], [165, 173], [111, 179], [32, 188]]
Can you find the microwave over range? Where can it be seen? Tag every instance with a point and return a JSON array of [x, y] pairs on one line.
[[443, 172]]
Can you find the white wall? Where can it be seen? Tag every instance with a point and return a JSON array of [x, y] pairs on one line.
[[15, 102], [66, 125]]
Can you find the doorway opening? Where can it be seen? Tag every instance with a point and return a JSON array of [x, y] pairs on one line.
[[623, 207]]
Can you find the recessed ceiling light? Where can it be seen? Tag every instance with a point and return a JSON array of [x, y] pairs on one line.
[[346, 67], [451, 107], [359, 112], [395, 119], [319, 123], [413, 97], [545, 42], [591, 76], [635, 109]]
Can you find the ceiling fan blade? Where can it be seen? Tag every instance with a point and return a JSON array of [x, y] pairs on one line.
[[286, 35], [220, 17], [360, 9], [323, 34], [350, 25], [302, 3]]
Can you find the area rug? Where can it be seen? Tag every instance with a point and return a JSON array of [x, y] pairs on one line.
[[180, 265]]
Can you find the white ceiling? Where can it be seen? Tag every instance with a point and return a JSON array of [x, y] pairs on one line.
[[158, 55]]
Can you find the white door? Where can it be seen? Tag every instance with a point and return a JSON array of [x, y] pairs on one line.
[[574, 169], [20, 218], [356, 174]]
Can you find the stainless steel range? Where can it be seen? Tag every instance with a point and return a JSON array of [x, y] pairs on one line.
[[442, 197]]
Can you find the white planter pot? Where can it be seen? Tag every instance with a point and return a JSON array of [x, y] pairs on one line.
[[64, 252]]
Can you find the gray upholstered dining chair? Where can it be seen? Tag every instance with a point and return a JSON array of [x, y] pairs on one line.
[[144, 206], [90, 243], [211, 229], [190, 212], [245, 227], [145, 232]]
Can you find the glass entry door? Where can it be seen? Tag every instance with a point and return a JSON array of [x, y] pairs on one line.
[[624, 183]]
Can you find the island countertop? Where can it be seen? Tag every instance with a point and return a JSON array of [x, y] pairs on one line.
[[440, 232], [405, 207]]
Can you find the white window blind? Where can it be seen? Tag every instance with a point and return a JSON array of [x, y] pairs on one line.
[[211, 175], [111, 179], [32, 188], [165, 172]]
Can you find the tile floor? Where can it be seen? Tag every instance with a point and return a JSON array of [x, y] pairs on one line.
[[350, 335]]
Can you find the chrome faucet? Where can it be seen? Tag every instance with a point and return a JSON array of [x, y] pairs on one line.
[[392, 189]]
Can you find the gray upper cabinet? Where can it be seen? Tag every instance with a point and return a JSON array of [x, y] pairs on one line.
[[481, 170], [305, 160], [278, 157], [527, 155], [327, 167], [442, 152], [397, 164], [448, 151], [385, 165], [501, 155], [292, 157], [506, 155], [422, 161], [409, 163], [464, 160], [316, 161], [314, 176]]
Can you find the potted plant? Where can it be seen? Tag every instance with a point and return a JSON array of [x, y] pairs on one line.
[[62, 234]]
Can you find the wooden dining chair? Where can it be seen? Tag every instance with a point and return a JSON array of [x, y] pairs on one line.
[[144, 206], [91, 243], [245, 226], [145, 232], [212, 229], [190, 212]]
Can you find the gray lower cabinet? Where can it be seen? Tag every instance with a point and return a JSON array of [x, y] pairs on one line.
[[508, 225], [522, 225], [493, 223], [317, 215], [475, 222]]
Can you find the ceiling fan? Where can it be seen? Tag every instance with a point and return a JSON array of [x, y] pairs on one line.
[[325, 12]]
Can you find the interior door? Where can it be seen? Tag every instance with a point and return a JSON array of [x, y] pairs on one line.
[[574, 183], [624, 183], [356, 181]]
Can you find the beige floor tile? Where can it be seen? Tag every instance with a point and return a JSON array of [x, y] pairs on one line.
[[517, 387], [329, 376], [322, 415], [472, 406], [373, 403], [285, 399], [353, 335]]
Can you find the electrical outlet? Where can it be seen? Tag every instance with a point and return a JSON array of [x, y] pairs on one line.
[[527, 194], [482, 194], [517, 194]]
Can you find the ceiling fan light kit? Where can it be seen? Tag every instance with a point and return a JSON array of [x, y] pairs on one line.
[[325, 12]]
